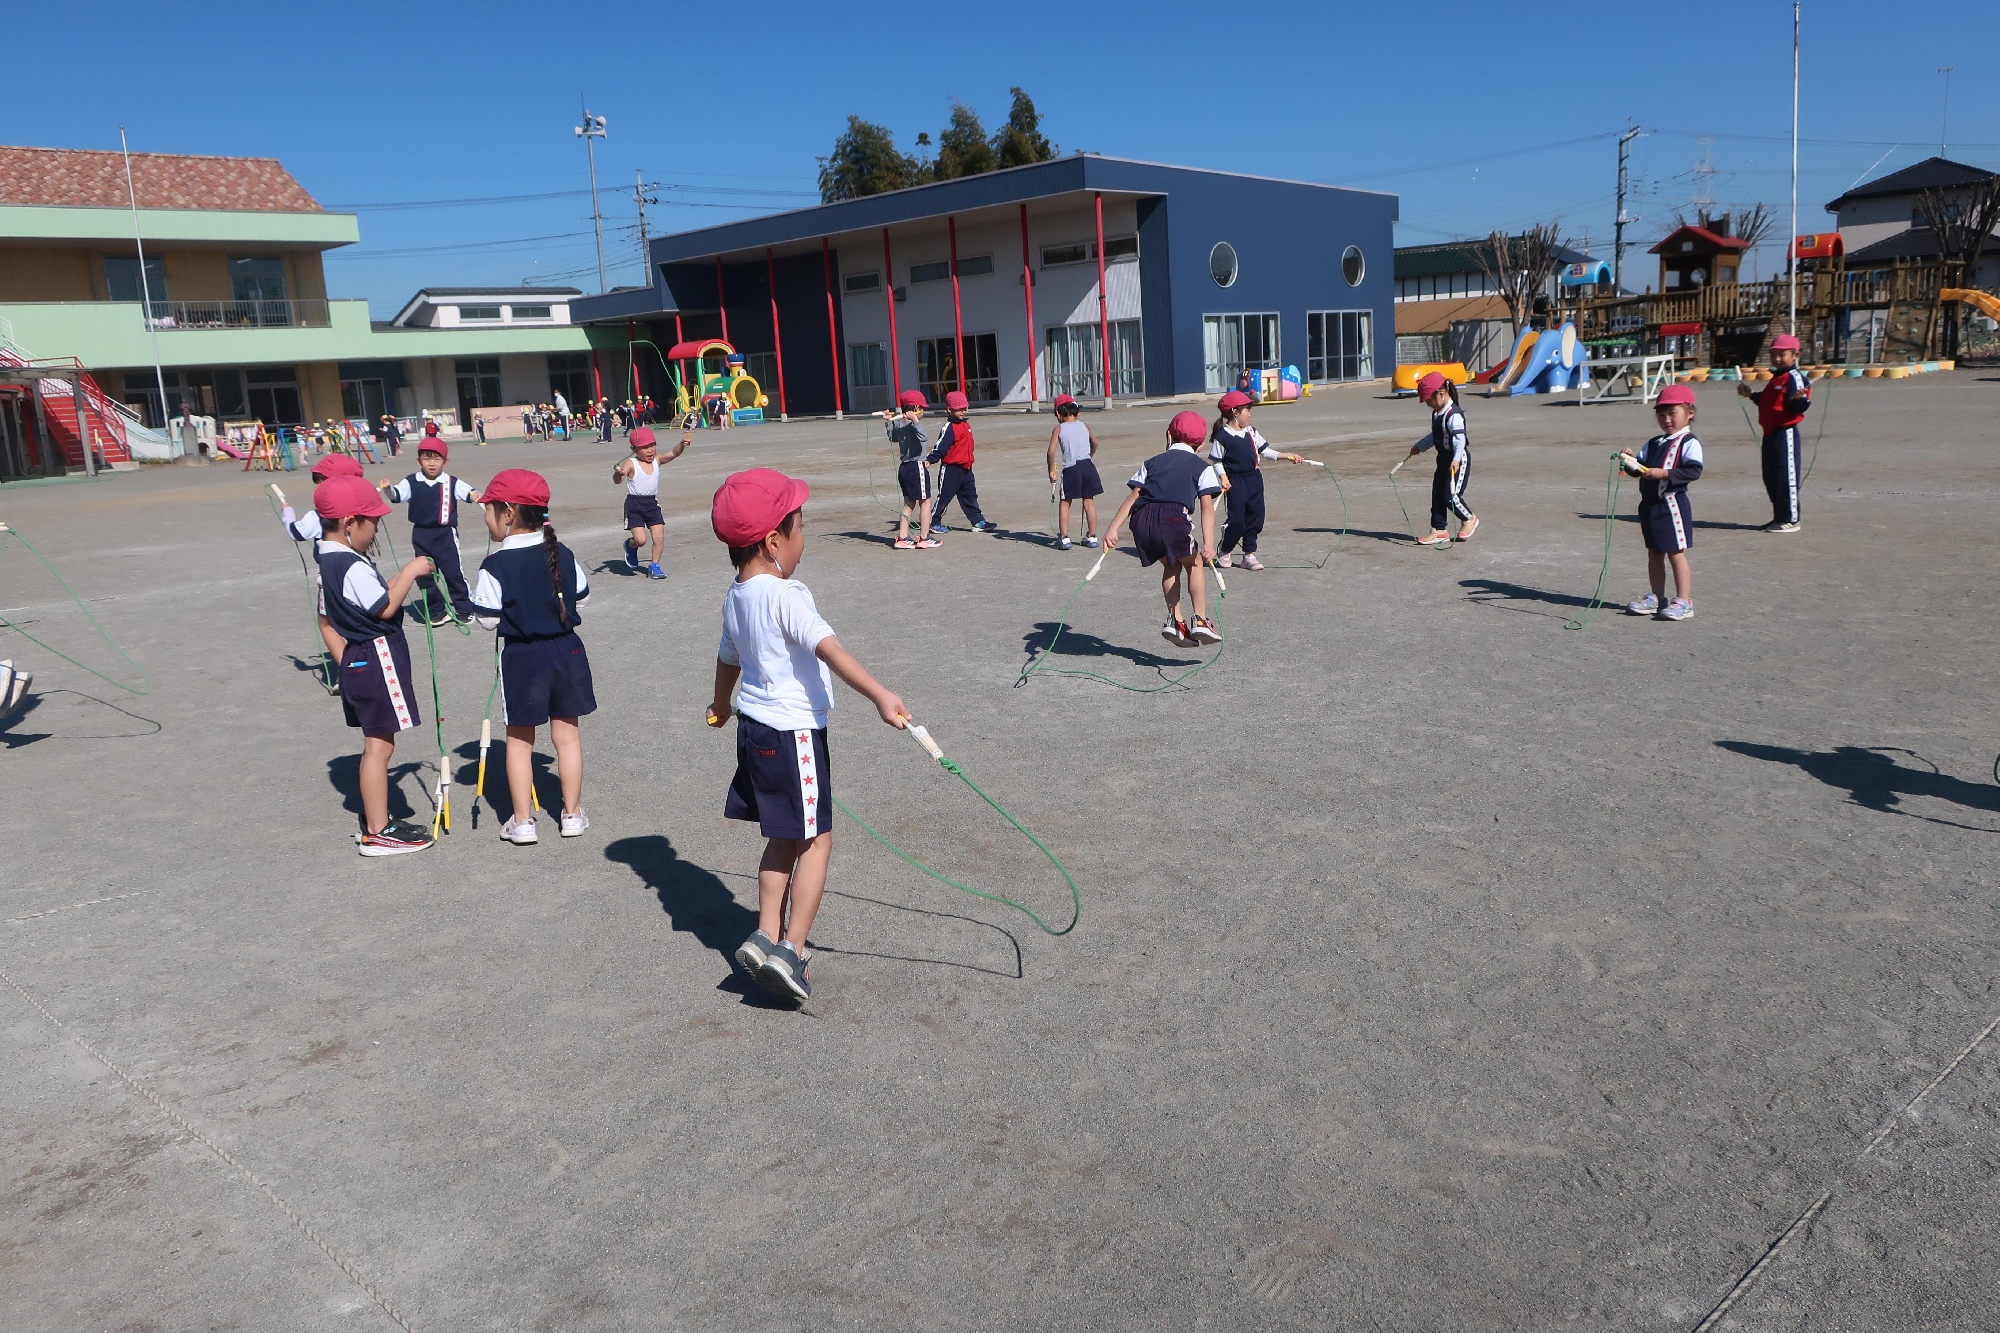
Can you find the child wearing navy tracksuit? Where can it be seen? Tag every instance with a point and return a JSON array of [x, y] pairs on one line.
[[434, 496], [907, 432], [1236, 445], [306, 527], [954, 447], [1166, 493], [1781, 406], [1454, 462], [1665, 466], [530, 589], [375, 682]]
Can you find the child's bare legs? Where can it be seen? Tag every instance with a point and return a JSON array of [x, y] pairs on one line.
[[1089, 516], [1062, 518], [1197, 586], [375, 752], [1683, 576], [521, 772], [911, 509], [659, 542], [636, 539], [1656, 570], [1170, 588], [568, 742], [790, 880]]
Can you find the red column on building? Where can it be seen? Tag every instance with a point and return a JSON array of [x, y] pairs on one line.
[[679, 337], [889, 294], [957, 313], [596, 382], [723, 309], [777, 340], [631, 333], [1028, 297], [832, 334], [1103, 306]]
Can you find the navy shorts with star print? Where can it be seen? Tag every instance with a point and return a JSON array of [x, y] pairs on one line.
[[783, 780]]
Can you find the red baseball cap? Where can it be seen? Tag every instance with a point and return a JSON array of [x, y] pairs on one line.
[[909, 398], [1785, 342], [1188, 428], [1063, 399], [335, 465], [750, 505], [1234, 399], [957, 401], [434, 444], [430, 427], [347, 497], [517, 486], [642, 438], [1430, 384], [1675, 393]]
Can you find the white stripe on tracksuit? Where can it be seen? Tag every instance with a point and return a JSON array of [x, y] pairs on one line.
[[1794, 445], [808, 782], [395, 683]]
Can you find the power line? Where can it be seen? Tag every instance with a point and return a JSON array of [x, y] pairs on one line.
[[401, 205], [462, 245]]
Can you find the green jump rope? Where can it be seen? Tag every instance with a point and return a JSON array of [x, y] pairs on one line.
[[8, 534], [1612, 483], [1038, 665], [1826, 410]]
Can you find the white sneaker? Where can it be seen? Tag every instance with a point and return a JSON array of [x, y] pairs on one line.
[[1222, 562], [1645, 606], [521, 834], [1063, 544], [573, 825]]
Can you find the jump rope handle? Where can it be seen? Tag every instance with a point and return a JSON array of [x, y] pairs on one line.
[[1398, 468], [280, 494], [923, 738], [485, 739], [1099, 565]]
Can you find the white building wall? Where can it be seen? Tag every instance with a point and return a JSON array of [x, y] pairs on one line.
[[989, 303], [1867, 221]]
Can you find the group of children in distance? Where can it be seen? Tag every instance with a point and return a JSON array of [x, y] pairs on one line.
[[953, 447]]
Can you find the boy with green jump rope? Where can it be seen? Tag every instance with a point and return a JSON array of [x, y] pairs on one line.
[[783, 654]]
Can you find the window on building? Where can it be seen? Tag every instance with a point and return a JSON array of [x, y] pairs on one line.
[[121, 278], [763, 367], [274, 395], [855, 283], [1116, 248], [534, 312], [1222, 263], [1232, 344], [362, 400], [569, 375], [937, 272], [257, 278], [1074, 360], [479, 314], [1352, 266], [867, 377], [479, 385], [937, 367], [1340, 345], [974, 266]]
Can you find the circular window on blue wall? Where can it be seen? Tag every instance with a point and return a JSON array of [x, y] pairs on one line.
[[1222, 263], [1352, 266]]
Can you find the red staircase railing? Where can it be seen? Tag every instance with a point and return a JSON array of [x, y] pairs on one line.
[[102, 420]]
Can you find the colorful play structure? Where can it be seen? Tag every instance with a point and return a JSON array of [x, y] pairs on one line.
[[709, 379], [1544, 361], [1406, 377]]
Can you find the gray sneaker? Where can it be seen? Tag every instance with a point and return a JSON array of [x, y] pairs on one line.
[[784, 973], [750, 954], [1645, 606], [1678, 609], [1783, 527]]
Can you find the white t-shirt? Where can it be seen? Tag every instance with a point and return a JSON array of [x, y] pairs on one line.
[[770, 628], [1074, 437]]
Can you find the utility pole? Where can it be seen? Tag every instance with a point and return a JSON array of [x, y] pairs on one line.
[[639, 196], [1618, 232], [152, 331], [1792, 241], [593, 129], [1944, 125]]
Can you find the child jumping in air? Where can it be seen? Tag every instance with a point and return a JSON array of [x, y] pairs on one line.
[[1665, 465], [1454, 462], [375, 683], [530, 589], [641, 475], [434, 496], [1235, 444], [907, 431], [1166, 493], [775, 643], [954, 448], [1072, 458]]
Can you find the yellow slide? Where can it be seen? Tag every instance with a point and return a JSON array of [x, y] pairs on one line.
[[1984, 302]]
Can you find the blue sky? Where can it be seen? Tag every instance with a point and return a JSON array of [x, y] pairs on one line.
[[1479, 116]]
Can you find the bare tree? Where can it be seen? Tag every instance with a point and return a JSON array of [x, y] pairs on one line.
[[1755, 223], [1963, 218], [1519, 267]]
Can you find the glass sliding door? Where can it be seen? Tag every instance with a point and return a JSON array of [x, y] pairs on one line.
[[1232, 344], [1340, 345], [1075, 360]]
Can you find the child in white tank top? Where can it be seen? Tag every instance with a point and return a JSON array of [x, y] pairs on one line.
[[641, 477], [1073, 468]]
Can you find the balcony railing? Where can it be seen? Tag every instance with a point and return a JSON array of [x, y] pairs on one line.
[[174, 315]]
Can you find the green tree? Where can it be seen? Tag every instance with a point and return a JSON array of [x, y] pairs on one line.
[[1020, 140], [962, 147], [865, 161]]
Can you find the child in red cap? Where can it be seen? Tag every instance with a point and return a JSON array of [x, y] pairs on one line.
[[1166, 492], [907, 432], [530, 591], [641, 476], [1236, 447], [1781, 405], [1665, 465], [954, 448], [375, 680], [306, 527], [775, 643], [1454, 462], [434, 497]]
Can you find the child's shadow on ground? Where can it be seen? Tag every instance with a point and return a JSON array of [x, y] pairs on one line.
[[879, 539], [697, 902], [1077, 643], [1397, 538], [1698, 523], [465, 777], [1494, 592], [1875, 781], [619, 568], [344, 772]]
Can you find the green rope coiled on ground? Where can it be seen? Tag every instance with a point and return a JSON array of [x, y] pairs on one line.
[[1342, 493], [1036, 665], [101, 631]]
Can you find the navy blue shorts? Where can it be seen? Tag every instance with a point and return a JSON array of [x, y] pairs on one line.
[[544, 678], [783, 780], [1079, 480], [1668, 523], [643, 511], [376, 688], [915, 479], [1163, 532]]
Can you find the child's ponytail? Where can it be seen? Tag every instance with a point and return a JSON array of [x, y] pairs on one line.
[[551, 549]]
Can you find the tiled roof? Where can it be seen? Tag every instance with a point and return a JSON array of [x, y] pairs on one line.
[[1700, 234], [87, 178], [1931, 173]]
